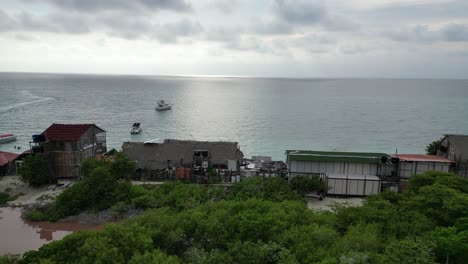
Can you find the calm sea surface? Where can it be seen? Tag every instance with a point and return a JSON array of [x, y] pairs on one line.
[[266, 116]]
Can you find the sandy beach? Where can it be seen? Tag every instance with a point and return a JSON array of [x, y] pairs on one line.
[[28, 195]]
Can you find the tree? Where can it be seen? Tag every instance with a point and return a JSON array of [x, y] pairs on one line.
[[310, 243], [272, 189], [409, 251], [452, 242], [267, 253], [449, 180], [431, 149], [155, 256], [307, 184], [35, 170], [119, 166], [122, 167]]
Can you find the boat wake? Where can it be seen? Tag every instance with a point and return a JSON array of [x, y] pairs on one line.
[[31, 99]]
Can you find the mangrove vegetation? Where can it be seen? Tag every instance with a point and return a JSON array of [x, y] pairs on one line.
[[258, 221]]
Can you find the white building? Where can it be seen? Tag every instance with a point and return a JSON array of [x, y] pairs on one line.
[[346, 173]]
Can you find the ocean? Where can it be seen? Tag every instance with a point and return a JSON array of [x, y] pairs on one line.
[[265, 115]]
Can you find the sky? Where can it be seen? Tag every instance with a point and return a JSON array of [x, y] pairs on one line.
[[268, 38]]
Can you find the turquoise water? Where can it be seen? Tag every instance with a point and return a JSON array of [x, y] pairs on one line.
[[266, 116]]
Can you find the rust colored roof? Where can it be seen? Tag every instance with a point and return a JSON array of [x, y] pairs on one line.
[[421, 157], [6, 157], [66, 132]]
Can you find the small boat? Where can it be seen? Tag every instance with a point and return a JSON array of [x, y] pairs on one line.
[[7, 138], [162, 105], [136, 128]]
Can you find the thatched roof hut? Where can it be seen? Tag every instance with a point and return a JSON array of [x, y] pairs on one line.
[[155, 156]]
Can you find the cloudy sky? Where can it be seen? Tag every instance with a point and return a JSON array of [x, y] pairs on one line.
[[279, 38]]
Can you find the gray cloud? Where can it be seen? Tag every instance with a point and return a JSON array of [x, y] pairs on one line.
[[111, 23], [223, 34], [313, 43], [124, 26], [274, 27], [56, 23], [339, 23], [134, 28], [422, 33], [300, 12], [455, 32], [311, 13], [170, 32], [127, 5], [225, 6], [6, 22], [415, 10]]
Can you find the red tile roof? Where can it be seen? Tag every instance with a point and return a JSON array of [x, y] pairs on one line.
[[421, 157], [6, 157], [66, 132]]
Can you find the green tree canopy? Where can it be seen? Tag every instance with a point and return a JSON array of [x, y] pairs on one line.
[[431, 149], [35, 170]]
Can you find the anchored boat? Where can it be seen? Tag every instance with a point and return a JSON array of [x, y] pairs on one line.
[[7, 138], [136, 128], [162, 105]]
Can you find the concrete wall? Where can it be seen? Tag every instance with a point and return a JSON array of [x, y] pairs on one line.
[[154, 156]]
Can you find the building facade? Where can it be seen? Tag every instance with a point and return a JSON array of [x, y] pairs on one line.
[[67, 145], [7, 163], [455, 148], [345, 173], [411, 164], [362, 173], [154, 159]]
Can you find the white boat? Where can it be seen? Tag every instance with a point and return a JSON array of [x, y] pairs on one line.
[[136, 128], [162, 105], [7, 138]]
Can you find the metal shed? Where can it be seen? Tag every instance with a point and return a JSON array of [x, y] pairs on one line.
[[411, 164], [353, 185], [348, 163]]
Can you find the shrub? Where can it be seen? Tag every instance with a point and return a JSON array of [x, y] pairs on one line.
[[5, 198], [271, 189], [307, 184], [35, 170]]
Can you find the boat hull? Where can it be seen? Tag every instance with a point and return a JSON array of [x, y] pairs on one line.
[[163, 108], [7, 139], [135, 132]]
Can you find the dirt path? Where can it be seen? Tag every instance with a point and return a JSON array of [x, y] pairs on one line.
[[28, 195]]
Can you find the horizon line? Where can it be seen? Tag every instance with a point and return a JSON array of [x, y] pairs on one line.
[[232, 76]]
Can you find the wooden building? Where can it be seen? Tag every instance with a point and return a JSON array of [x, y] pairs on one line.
[[7, 163], [66, 145], [153, 159], [455, 147]]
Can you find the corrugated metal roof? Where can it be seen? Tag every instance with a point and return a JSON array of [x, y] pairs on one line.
[[67, 132], [6, 157], [363, 157], [422, 158]]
